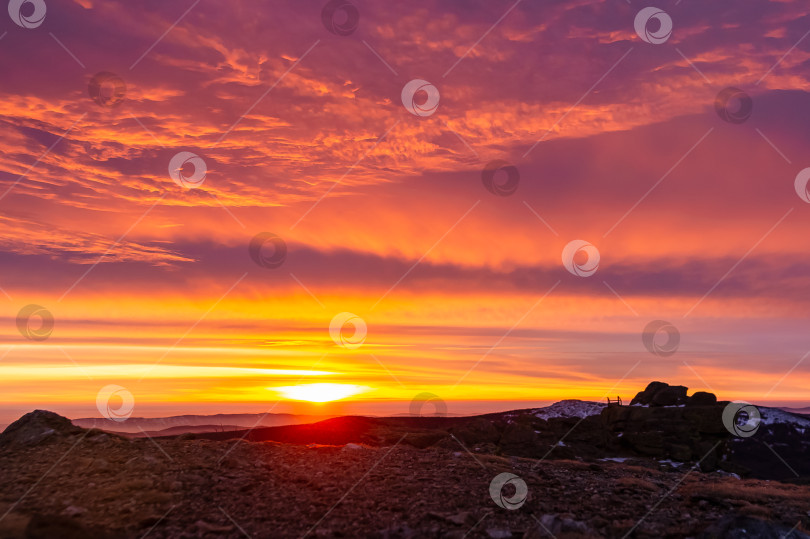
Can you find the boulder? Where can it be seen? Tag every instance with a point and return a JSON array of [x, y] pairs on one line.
[[702, 398], [669, 396], [648, 443], [645, 397], [37, 427], [660, 394], [682, 433]]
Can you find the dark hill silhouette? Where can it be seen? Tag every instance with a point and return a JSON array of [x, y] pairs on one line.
[[136, 425]]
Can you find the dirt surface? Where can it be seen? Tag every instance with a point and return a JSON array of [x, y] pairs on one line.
[[92, 484]]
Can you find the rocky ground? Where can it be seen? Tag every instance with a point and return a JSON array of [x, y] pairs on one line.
[[57, 480]]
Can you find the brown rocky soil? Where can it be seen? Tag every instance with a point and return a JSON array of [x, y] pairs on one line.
[[77, 483]]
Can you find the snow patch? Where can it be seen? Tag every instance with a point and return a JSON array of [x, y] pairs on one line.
[[569, 408], [771, 416]]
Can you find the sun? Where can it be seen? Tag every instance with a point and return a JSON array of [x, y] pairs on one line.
[[323, 392]]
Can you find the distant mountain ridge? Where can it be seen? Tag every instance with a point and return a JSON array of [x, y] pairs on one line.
[[194, 423], [153, 425], [801, 411]]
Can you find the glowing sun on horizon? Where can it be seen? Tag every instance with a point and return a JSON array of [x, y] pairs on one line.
[[323, 392]]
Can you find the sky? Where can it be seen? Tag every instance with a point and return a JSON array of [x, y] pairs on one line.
[[336, 223]]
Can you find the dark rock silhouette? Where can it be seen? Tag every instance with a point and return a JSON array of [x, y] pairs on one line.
[[37, 427], [661, 394], [702, 398], [682, 433]]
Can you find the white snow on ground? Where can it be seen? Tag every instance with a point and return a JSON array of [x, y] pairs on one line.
[[775, 415], [569, 408]]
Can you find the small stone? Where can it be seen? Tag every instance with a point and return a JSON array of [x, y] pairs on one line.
[[352, 447], [459, 518], [74, 511]]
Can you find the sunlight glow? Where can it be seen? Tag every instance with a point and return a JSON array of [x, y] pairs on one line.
[[319, 392]]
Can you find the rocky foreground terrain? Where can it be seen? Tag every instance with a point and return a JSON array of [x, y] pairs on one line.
[[398, 478]]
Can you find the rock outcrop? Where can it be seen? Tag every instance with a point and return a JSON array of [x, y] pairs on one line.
[[663, 422], [37, 427], [702, 398], [688, 433], [661, 394]]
